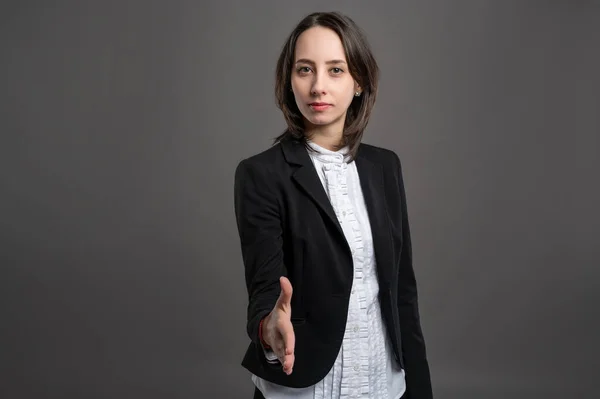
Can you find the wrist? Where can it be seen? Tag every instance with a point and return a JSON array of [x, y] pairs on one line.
[[261, 332]]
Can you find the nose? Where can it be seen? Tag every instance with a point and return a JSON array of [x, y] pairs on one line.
[[319, 84]]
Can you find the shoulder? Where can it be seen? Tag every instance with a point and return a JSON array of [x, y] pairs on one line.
[[265, 159], [382, 155], [260, 167]]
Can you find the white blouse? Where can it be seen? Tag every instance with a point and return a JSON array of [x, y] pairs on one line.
[[364, 367]]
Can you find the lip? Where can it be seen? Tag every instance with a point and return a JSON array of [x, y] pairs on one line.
[[319, 106]]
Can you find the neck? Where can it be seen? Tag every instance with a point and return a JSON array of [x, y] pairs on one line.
[[328, 137]]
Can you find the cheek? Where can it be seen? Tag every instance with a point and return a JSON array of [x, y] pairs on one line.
[[346, 94], [346, 98], [298, 85]]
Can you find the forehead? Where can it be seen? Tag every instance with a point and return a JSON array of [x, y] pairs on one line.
[[319, 44]]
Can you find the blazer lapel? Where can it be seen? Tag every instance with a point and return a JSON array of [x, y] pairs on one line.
[[307, 178], [372, 185]]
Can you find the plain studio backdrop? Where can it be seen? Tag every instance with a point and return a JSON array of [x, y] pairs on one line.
[[122, 123]]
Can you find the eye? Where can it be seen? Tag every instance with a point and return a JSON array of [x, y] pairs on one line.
[[336, 70], [303, 69]]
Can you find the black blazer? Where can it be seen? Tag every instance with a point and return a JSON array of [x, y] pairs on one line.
[[288, 227]]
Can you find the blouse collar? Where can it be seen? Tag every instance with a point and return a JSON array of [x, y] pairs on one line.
[[327, 156]]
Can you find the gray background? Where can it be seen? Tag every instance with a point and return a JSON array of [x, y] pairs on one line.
[[122, 124]]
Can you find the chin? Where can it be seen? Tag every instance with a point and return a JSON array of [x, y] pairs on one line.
[[321, 120]]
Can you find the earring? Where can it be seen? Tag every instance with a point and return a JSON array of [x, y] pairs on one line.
[[357, 94]]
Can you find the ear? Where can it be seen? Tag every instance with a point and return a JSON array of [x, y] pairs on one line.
[[357, 91]]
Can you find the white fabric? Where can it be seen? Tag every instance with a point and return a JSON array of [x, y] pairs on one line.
[[364, 367]]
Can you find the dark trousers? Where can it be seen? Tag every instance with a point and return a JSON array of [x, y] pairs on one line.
[[258, 394]]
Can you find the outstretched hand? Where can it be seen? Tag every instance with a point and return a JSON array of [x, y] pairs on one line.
[[278, 331]]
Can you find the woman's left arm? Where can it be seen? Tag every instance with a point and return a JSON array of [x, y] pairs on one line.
[[413, 343]]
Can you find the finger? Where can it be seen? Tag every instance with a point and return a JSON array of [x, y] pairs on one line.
[[279, 350], [288, 363], [289, 337], [285, 297]]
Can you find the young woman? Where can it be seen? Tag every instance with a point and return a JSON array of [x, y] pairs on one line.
[[324, 234]]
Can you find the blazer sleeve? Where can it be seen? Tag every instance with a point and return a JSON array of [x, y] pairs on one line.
[[413, 343], [258, 220]]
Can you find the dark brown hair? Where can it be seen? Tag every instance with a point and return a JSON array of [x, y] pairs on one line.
[[361, 64]]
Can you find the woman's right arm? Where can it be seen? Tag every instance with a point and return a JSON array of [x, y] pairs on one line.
[[259, 225]]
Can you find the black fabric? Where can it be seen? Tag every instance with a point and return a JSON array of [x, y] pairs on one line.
[[288, 227]]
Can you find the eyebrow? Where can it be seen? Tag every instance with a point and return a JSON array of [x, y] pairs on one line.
[[307, 61]]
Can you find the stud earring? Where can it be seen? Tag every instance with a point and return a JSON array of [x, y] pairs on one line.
[[357, 94]]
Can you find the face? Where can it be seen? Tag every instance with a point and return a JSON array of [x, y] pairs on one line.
[[321, 82]]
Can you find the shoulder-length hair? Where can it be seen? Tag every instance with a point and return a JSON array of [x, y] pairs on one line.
[[361, 64]]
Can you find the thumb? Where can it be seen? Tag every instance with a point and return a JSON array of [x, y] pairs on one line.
[[285, 297]]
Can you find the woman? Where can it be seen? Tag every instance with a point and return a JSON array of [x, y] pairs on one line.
[[324, 234]]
